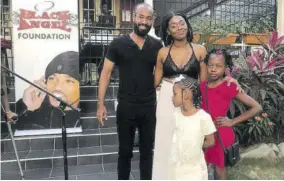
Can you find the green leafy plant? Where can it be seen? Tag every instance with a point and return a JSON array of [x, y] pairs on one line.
[[206, 24], [256, 130], [256, 74], [206, 27], [268, 57], [261, 25]]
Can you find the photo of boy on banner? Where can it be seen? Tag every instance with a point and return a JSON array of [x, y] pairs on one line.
[[38, 111]]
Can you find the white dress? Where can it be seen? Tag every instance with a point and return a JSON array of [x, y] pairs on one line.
[[164, 131], [186, 160]]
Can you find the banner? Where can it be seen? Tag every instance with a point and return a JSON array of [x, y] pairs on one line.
[[45, 44]]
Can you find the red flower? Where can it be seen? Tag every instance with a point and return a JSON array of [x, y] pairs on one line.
[[264, 115]]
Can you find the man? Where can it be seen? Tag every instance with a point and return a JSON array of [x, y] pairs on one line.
[[135, 55], [37, 110]]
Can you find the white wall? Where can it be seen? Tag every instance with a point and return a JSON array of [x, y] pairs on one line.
[[280, 16], [152, 31]]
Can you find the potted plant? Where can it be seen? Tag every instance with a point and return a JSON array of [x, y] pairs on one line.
[[208, 33]]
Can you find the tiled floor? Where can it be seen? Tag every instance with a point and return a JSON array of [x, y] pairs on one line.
[[87, 172]]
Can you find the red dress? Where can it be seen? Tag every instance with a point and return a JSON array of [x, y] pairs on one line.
[[219, 99]]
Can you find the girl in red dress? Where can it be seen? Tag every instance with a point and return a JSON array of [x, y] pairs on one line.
[[220, 96]]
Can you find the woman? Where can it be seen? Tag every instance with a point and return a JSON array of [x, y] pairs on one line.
[[179, 57]]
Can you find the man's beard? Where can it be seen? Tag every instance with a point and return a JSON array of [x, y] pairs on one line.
[[141, 33]]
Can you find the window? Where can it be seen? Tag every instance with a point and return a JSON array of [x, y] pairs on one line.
[[88, 12], [126, 15], [127, 10], [6, 26]]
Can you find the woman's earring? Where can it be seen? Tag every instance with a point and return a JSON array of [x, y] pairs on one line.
[[167, 38], [189, 31]]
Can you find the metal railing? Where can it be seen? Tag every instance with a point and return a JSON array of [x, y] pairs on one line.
[[94, 43]]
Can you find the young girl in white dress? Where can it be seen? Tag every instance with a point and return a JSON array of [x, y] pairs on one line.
[[193, 131]]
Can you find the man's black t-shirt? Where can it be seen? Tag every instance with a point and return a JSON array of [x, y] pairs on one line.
[[136, 67]]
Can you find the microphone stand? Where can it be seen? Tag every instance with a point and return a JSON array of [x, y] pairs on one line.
[[63, 105]]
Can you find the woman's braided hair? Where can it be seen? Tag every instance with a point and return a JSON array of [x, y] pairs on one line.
[[192, 84]]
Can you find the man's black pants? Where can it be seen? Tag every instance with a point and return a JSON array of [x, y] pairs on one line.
[[128, 119]]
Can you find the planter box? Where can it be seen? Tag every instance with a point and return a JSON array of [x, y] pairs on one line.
[[230, 38], [255, 38]]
